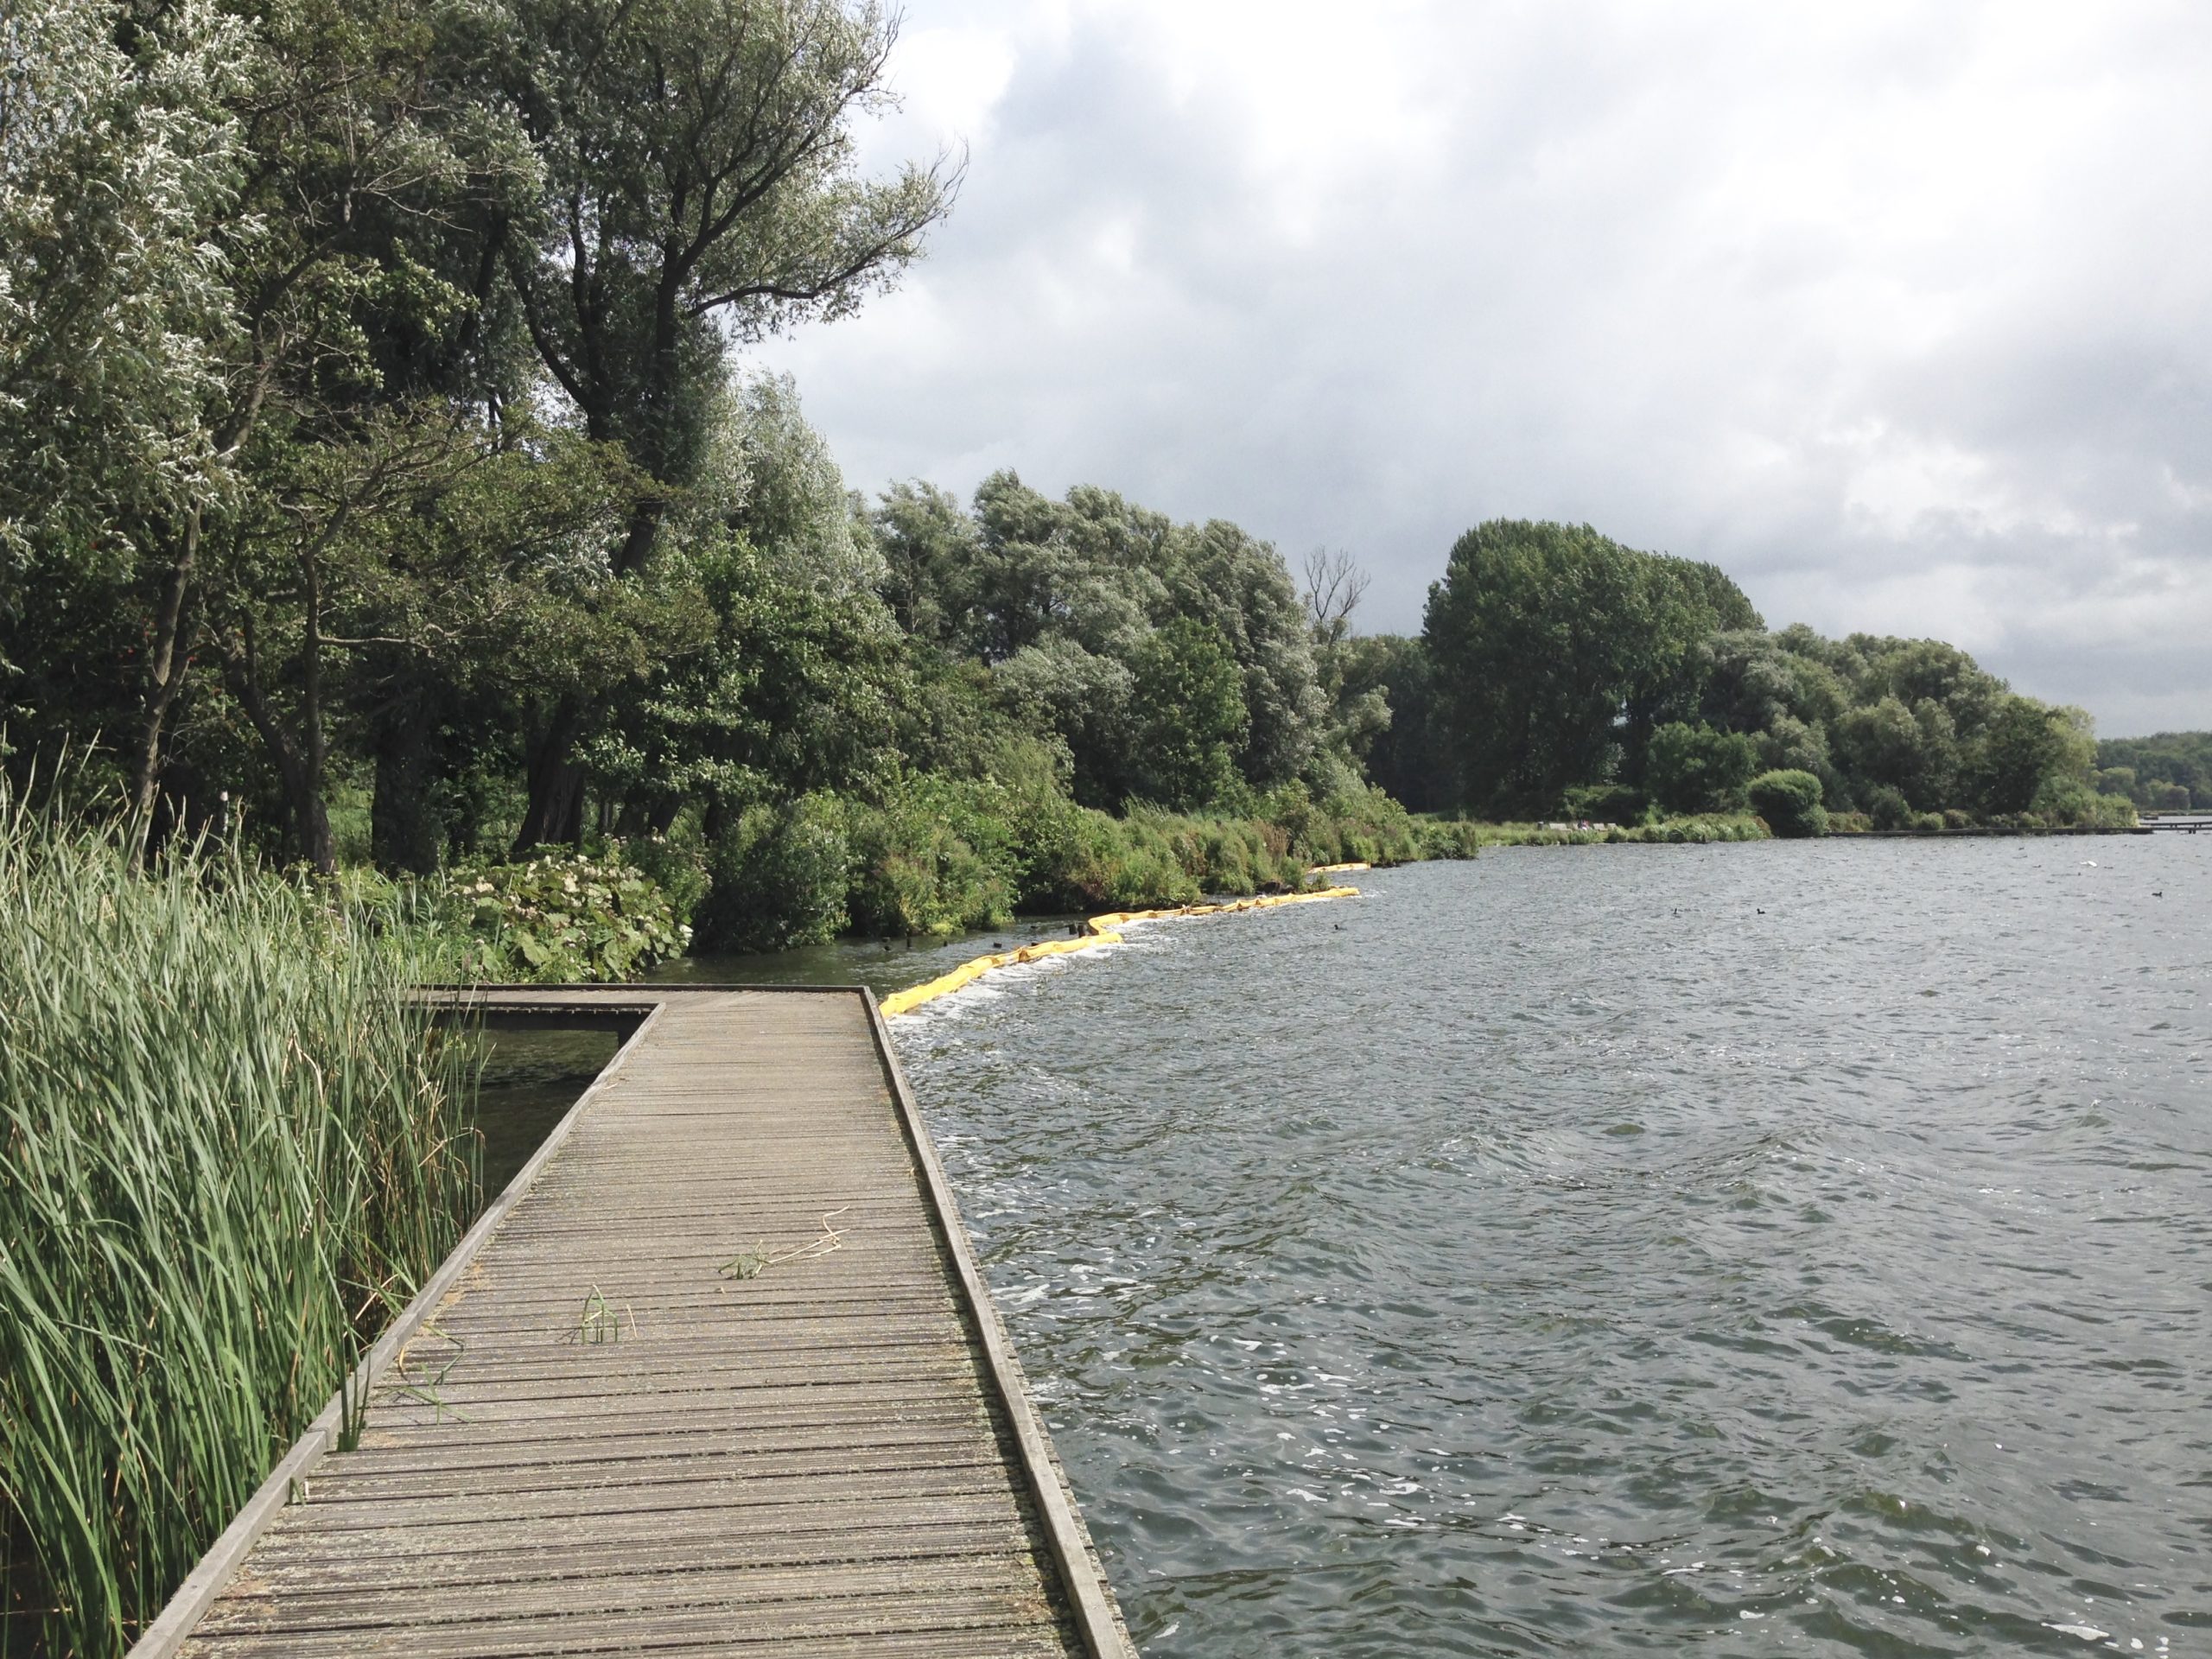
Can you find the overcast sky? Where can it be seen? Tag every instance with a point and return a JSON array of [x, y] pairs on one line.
[[1900, 314]]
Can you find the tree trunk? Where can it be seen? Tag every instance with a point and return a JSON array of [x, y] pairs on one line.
[[298, 765], [555, 814], [164, 674]]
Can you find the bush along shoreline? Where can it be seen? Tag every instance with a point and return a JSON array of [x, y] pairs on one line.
[[932, 858]]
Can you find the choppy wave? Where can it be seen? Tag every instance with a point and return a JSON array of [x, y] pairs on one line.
[[1757, 1247]]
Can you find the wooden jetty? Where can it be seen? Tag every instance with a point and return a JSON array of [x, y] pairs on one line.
[[595, 1433]]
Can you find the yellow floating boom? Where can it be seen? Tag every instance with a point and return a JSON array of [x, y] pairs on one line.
[[1103, 930]]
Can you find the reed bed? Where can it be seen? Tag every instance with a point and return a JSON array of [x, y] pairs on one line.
[[229, 1150]]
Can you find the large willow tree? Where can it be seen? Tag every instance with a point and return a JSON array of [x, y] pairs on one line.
[[698, 186]]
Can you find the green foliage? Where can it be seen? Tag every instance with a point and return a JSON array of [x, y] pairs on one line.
[[2023, 744], [1556, 663], [1695, 769], [117, 165], [2070, 803], [642, 248], [1410, 757], [675, 863], [561, 918], [2170, 772], [1062, 600], [1452, 838], [1789, 802], [1887, 808], [934, 857], [1463, 838], [1543, 636], [1607, 803], [1187, 716], [229, 1149], [1359, 825], [779, 876]]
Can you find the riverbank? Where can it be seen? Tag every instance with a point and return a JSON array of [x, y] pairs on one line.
[[1097, 930], [1473, 834]]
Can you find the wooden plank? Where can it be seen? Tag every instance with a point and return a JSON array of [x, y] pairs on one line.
[[836, 1456], [990, 1567], [409, 1555]]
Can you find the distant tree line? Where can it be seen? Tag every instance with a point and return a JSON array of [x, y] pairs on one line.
[[2170, 772], [1559, 671]]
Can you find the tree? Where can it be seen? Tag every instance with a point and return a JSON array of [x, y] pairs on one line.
[[1061, 597], [1240, 585], [1354, 708], [120, 158], [1684, 604], [1696, 769], [699, 187], [2170, 762], [1082, 699], [1188, 716], [1538, 633], [1408, 758], [796, 689], [926, 542], [2025, 744]]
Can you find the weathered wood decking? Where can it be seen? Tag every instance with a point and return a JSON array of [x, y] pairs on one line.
[[593, 1441]]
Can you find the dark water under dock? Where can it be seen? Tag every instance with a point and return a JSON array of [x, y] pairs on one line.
[[1740, 1249]]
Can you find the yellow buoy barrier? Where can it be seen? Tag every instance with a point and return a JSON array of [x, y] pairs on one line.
[[1337, 869], [1103, 930]]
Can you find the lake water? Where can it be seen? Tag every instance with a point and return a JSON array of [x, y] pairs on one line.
[[1763, 1249]]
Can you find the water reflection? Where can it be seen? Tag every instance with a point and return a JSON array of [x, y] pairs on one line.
[[530, 1079]]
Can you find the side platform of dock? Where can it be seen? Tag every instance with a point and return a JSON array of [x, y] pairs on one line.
[[717, 1374]]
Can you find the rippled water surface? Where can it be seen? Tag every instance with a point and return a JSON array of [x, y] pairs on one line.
[[1752, 1249]]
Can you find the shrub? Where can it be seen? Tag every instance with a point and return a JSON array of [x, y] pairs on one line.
[[2069, 801], [779, 878], [1928, 822], [936, 856], [674, 864], [1887, 808], [562, 916], [1790, 801], [1355, 825], [1445, 838]]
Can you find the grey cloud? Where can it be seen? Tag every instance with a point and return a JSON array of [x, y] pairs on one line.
[[1673, 273]]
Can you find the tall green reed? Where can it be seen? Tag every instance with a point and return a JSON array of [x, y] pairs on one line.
[[229, 1150]]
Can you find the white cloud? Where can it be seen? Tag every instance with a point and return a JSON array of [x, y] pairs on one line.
[[1901, 314]]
